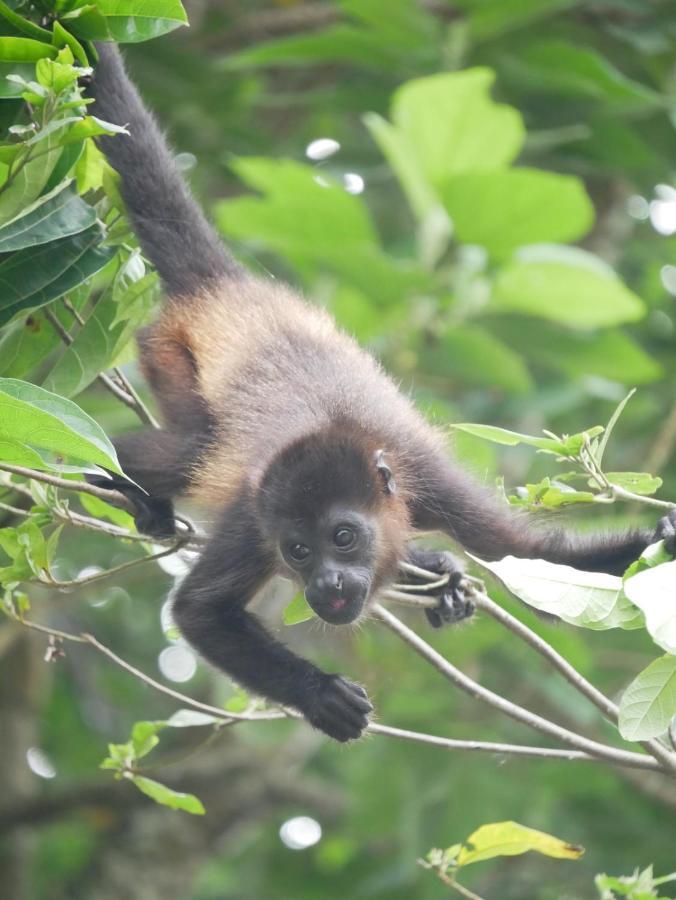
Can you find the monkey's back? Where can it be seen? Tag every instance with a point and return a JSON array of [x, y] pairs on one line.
[[272, 369]]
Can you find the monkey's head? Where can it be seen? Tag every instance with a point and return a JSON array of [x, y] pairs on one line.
[[331, 505]]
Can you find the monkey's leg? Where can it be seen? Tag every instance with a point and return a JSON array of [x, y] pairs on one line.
[[159, 463], [454, 605], [210, 611]]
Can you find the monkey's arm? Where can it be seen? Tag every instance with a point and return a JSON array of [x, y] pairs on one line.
[[448, 499], [210, 612]]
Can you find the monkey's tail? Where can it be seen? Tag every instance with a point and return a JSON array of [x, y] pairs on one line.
[[170, 226]]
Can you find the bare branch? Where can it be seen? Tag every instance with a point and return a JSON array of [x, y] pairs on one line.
[[518, 713]]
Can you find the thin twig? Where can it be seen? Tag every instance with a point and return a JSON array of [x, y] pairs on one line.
[[85, 638], [518, 713], [116, 498], [480, 746], [107, 573]]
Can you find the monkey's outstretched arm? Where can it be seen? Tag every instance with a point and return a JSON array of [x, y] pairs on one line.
[[449, 500], [169, 224], [210, 612]]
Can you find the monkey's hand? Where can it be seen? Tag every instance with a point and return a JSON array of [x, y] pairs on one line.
[[340, 708], [453, 603], [666, 531], [153, 516]]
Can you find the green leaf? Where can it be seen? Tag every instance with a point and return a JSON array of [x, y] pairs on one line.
[[102, 510], [400, 153], [26, 343], [610, 354], [583, 296], [89, 168], [297, 611], [23, 25], [35, 276], [653, 591], [505, 210], [144, 737], [591, 600], [610, 427], [473, 356], [649, 703], [386, 29], [556, 67], [45, 421], [63, 38], [55, 215], [313, 222], [126, 21], [24, 50], [164, 795], [637, 482], [100, 340], [510, 438], [453, 125], [30, 180], [513, 839]]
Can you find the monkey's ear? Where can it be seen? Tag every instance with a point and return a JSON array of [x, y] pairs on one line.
[[385, 472]]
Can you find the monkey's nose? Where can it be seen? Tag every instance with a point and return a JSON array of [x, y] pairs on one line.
[[332, 580]]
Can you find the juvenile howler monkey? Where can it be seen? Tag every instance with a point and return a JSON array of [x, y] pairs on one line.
[[318, 466]]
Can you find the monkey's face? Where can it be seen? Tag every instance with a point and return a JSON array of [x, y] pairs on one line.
[[334, 557]]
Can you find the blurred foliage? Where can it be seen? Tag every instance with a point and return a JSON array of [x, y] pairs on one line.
[[516, 157]]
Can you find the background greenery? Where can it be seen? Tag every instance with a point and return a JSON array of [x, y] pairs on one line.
[[550, 340]]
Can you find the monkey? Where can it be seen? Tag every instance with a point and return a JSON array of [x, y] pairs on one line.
[[312, 462]]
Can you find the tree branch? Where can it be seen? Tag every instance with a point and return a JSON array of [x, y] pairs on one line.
[[518, 713]]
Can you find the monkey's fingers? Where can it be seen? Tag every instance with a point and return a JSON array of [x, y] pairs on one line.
[[666, 531], [454, 604], [341, 709]]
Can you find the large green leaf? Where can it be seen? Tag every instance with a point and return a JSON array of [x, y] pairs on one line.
[[25, 344], [24, 50], [653, 591], [473, 355], [30, 179], [37, 275], [399, 151], [574, 289], [491, 18], [100, 341], [609, 353], [556, 67], [45, 421], [454, 126], [126, 21], [384, 30], [504, 210], [58, 214], [649, 703], [314, 222], [588, 599]]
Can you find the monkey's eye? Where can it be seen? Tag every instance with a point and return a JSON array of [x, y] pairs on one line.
[[299, 552], [344, 538]]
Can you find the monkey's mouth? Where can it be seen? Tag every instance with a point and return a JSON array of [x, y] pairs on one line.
[[337, 609]]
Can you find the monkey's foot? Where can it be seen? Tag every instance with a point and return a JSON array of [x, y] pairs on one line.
[[153, 516], [340, 708], [666, 531], [454, 604]]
